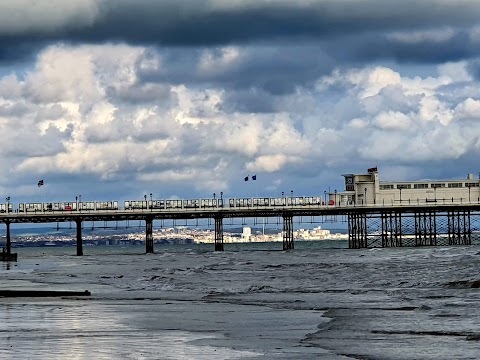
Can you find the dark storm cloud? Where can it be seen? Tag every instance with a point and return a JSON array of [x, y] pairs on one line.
[[210, 23], [378, 46], [272, 70], [201, 23]]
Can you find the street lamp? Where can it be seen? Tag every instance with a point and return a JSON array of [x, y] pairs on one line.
[[151, 202], [325, 197], [291, 193], [221, 195], [214, 196], [469, 188], [79, 201], [400, 195], [7, 199], [365, 196], [145, 197], [335, 197]]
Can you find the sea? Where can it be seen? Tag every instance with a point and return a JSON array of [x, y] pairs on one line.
[[251, 301]]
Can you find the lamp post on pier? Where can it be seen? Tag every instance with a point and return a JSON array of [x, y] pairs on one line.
[[400, 189], [151, 202], [7, 199]]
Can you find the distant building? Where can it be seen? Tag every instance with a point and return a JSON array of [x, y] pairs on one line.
[[246, 234], [368, 189]]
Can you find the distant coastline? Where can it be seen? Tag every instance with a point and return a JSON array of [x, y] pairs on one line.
[[46, 237]]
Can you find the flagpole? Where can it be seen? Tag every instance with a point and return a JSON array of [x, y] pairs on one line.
[[40, 184]]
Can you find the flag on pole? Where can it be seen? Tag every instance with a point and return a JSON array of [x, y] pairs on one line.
[[40, 183], [254, 177], [246, 178]]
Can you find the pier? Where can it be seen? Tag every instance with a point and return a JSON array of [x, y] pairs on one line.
[[378, 213], [369, 225]]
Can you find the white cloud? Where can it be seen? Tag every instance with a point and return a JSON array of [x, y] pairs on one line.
[[107, 122], [468, 110], [269, 163], [455, 71], [392, 121]]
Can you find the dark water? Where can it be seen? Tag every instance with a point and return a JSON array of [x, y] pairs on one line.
[[253, 301]]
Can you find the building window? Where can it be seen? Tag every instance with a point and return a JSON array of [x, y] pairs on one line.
[[434, 186], [455, 185], [404, 186], [420, 186], [386, 186], [469, 185]]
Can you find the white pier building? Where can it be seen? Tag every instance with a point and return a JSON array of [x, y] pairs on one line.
[[367, 189]]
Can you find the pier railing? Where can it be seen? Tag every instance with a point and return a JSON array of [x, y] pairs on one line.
[[390, 204]]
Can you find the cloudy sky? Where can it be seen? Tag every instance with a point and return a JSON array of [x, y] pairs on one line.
[[114, 99]]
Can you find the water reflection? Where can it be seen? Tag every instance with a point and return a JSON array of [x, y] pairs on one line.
[[78, 330]]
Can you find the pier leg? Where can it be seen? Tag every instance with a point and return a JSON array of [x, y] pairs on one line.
[[288, 232], [459, 228], [426, 229], [392, 229], [357, 231], [79, 237], [218, 234], [8, 245], [149, 235]]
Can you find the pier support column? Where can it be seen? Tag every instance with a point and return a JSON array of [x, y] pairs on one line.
[[288, 232], [149, 234], [357, 231], [459, 228], [425, 228], [218, 234], [8, 245], [391, 229], [79, 237]]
